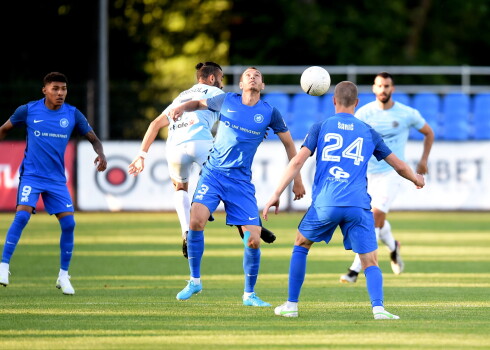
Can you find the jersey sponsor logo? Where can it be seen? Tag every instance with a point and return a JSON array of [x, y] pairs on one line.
[[38, 121], [64, 123], [37, 133], [182, 125], [339, 173], [259, 118]]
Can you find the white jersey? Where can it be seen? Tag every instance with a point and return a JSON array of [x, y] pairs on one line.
[[393, 125], [192, 126]]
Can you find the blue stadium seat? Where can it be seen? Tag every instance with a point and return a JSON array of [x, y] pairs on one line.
[[304, 113], [402, 98], [327, 108], [429, 105], [456, 112], [282, 101], [364, 98], [481, 116]]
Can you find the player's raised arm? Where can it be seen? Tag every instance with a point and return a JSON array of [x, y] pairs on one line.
[[189, 106], [404, 170], [138, 164]]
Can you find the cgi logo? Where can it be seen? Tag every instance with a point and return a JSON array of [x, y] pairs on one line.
[[339, 173]]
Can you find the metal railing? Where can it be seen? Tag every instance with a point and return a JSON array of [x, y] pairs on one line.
[[353, 72]]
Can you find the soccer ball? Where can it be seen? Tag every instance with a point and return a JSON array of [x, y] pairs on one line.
[[315, 81]]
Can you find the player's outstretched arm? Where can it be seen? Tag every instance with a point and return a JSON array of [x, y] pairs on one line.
[[138, 164], [404, 170], [100, 161], [189, 106], [298, 187], [289, 174]]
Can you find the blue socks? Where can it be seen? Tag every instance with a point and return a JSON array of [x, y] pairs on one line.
[[297, 271], [251, 264], [374, 283], [13, 234], [195, 250], [67, 240]]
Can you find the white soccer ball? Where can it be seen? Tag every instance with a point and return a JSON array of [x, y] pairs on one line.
[[315, 81]]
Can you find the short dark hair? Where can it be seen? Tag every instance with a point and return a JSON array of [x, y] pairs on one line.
[[54, 76], [346, 93], [251, 67], [385, 75], [204, 70]]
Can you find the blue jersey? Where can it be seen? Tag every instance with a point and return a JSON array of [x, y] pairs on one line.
[[47, 135], [240, 132], [345, 144], [393, 125]]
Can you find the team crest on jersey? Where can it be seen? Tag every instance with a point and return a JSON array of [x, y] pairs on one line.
[[259, 118], [64, 123], [395, 124]]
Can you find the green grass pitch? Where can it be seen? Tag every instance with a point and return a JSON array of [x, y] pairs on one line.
[[128, 267]]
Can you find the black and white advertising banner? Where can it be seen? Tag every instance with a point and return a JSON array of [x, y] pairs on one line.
[[458, 179]]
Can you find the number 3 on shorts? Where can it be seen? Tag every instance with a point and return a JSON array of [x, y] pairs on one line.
[[202, 191]]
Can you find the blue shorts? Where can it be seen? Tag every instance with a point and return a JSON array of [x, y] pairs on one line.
[[56, 196], [356, 224], [238, 197]]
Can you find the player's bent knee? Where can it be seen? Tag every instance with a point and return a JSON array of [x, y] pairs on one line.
[[22, 217], [67, 223]]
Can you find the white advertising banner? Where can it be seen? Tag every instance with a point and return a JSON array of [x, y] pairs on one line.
[[459, 178], [152, 190]]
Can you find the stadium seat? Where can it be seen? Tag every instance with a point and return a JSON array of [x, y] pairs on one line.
[[304, 113], [456, 112], [282, 102], [327, 108], [481, 116], [402, 98], [364, 98], [429, 106]]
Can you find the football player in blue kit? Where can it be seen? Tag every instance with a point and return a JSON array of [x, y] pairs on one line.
[[49, 123], [344, 145], [226, 176], [189, 142]]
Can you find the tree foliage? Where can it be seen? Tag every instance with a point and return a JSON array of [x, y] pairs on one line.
[[176, 36], [155, 44]]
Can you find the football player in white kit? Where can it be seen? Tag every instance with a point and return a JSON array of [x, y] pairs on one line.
[[392, 120], [189, 141]]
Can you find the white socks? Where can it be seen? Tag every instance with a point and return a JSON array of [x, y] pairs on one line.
[[196, 281], [183, 208], [356, 264], [62, 273], [386, 236]]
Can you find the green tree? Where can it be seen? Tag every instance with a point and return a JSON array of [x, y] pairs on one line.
[[174, 37]]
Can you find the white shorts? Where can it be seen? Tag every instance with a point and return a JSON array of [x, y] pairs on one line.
[[383, 188], [180, 158]]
